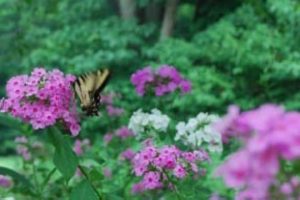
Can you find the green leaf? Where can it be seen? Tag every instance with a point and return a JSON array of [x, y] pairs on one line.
[[64, 158], [83, 191], [18, 178], [95, 175]]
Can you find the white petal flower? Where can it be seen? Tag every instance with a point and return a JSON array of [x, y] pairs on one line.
[[140, 120], [199, 132]]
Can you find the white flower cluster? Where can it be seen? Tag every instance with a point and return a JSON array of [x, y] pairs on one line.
[[199, 132], [156, 120]]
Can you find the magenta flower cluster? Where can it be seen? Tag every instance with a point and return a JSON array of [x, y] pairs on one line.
[[22, 147], [5, 181], [80, 146], [164, 80], [123, 133], [270, 134], [108, 101], [157, 165], [42, 99]]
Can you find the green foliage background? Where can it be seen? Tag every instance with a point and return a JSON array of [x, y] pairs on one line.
[[235, 52], [244, 52]]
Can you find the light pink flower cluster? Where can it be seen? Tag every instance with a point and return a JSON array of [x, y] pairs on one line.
[[128, 154], [5, 181], [164, 80], [22, 147], [80, 146], [270, 134], [157, 165], [290, 188], [28, 149], [42, 99], [112, 110], [123, 133]]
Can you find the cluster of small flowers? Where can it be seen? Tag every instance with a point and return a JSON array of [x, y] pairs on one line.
[[5, 181], [80, 146], [157, 165], [164, 80], [200, 132], [27, 149], [140, 121], [107, 100], [22, 147], [42, 99], [270, 134], [128, 154], [290, 188], [122, 133]]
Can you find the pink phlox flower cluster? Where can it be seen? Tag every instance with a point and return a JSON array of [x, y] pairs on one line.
[[5, 181], [27, 149], [290, 188], [108, 101], [108, 137], [42, 99], [80, 146], [128, 154], [23, 148], [226, 125], [166, 79], [124, 132], [155, 165], [270, 134], [107, 172]]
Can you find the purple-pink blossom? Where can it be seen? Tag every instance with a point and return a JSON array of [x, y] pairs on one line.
[[166, 79], [107, 172], [108, 100], [269, 135], [128, 154], [5, 181], [114, 111], [108, 137], [22, 147], [42, 99], [80, 146], [124, 132], [154, 165]]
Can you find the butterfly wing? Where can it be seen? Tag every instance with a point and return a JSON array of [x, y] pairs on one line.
[[88, 88], [102, 79]]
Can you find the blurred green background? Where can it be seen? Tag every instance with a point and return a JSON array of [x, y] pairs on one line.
[[243, 52]]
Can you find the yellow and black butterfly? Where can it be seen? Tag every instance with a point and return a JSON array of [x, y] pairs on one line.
[[88, 88]]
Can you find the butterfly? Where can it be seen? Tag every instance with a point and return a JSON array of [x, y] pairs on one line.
[[88, 88]]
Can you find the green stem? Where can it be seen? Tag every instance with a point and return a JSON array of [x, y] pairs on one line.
[[36, 183], [175, 188], [48, 178], [87, 178]]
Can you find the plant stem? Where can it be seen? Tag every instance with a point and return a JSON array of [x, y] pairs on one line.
[[36, 183], [173, 185], [48, 178], [87, 178]]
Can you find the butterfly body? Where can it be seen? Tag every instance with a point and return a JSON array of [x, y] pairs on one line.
[[88, 88]]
